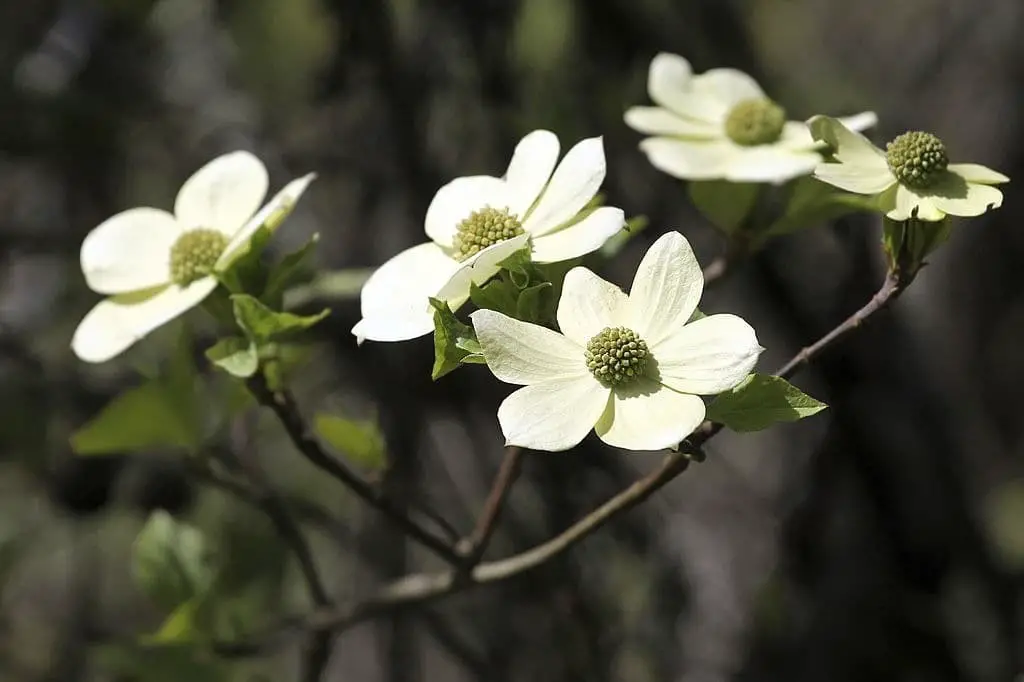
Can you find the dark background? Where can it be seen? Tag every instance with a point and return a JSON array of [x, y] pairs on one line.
[[883, 540]]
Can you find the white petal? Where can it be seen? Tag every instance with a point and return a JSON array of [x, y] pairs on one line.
[[659, 121], [707, 356], [728, 86], [909, 203], [770, 163], [648, 416], [973, 172], [523, 353], [588, 305], [223, 194], [573, 184], [130, 251], [861, 121], [849, 147], [797, 136], [580, 238], [530, 169], [690, 159], [666, 289], [394, 299], [855, 178], [477, 270], [278, 208], [455, 201], [552, 415], [669, 83], [116, 323]]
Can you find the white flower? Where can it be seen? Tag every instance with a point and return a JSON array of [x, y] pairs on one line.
[[629, 367], [155, 265], [720, 125], [912, 178], [477, 222]]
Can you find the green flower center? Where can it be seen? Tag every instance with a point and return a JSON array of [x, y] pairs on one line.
[[484, 228], [616, 356], [755, 121], [194, 255], [917, 159]]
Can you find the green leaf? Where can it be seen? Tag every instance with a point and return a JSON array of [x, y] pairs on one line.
[[237, 356], [289, 271], [170, 561], [522, 271], [450, 338], [141, 418], [726, 205], [179, 627], [499, 294], [812, 202], [361, 442], [760, 401], [533, 304], [262, 324]]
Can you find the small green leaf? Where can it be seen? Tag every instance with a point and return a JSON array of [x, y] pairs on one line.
[[170, 561], [247, 271], [179, 627], [499, 294], [361, 442], [522, 270], [289, 271], [533, 303], [812, 202], [450, 337], [760, 401], [262, 324], [726, 205], [237, 356], [141, 418]]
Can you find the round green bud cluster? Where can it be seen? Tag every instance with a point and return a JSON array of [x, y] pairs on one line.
[[917, 159], [755, 121], [194, 255], [616, 356], [484, 228]]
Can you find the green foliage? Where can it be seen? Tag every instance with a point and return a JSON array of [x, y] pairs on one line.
[[760, 401], [262, 324], [812, 202], [523, 290], [237, 356], [454, 341], [361, 441], [170, 561], [293, 268], [908, 243], [726, 205]]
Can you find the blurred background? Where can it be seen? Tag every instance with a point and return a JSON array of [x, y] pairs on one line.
[[882, 540]]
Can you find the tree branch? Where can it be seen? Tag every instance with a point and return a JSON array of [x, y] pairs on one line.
[[283, 405], [473, 546]]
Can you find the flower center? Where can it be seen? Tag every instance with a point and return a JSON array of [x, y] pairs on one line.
[[917, 159], [755, 121], [616, 356], [484, 228], [194, 255]]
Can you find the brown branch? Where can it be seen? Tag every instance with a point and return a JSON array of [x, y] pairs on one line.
[[283, 405], [473, 546]]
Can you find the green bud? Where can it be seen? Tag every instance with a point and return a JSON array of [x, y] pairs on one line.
[[917, 159], [194, 255], [484, 228], [755, 121], [616, 356]]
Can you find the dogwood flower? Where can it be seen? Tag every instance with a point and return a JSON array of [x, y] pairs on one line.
[[720, 125], [912, 178], [155, 265], [629, 367], [477, 222]]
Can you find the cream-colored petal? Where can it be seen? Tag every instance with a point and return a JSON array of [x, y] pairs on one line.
[[588, 305], [666, 289], [797, 135], [669, 83], [855, 178], [394, 299], [848, 147], [690, 159], [910, 203], [573, 184], [966, 199], [130, 251], [729, 87], [648, 416], [659, 121], [454, 202], [770, 163], [479, 269], [223, 194], [528, 173], [274, 213], [707, 356], [973, 172], [116, 323], [522, 353], [579, 239], [552, 415], [861, 121]]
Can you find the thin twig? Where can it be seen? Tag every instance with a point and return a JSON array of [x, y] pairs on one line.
[[475, 544], [283, 405]]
